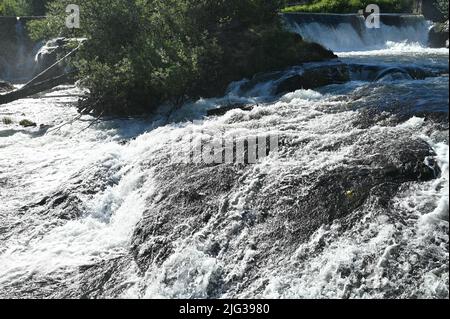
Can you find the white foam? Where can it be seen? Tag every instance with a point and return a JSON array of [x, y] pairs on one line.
[[398, 48], [344, 37]]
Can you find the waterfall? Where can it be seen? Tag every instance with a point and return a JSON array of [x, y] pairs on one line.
[[343, 33], [17, 50]]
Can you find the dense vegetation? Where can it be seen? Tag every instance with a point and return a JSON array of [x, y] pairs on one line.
[[22, 7], [351, 6], [141, 53]]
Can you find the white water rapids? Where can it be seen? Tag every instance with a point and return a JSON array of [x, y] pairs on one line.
[[42, 250]]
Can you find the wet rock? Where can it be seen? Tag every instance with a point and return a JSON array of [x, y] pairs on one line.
[[226, 109], [188, 198], [393, 74], [418, 73], [17, 50], [27, 123], [385, 104], [194, 199], [439, 34], [7, 121], [102, 280], [49, 55], [67, 202], [431, 11], [314, 77], [261, 78]]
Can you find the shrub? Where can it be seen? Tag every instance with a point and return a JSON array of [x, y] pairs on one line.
[[7, 121], [351, 6], [27, 123]]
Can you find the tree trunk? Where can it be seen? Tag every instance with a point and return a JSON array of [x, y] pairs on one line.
[[30, 90]]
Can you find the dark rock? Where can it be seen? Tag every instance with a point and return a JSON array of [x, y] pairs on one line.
[[103, 279], [48, 55], [67, 202], [439, 34], [315, 76], [261, 78], [27, 123], [189, 199]]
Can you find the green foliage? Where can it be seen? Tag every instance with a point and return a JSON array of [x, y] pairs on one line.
[[27, 123], [442, 6], [141, 53], [351, 6], [15, 7], [7, 121]]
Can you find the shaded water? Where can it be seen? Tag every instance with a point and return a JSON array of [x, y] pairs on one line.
[[343, 33]]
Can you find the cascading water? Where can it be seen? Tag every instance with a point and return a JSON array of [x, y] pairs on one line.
[[17, 55], [349, 32], [353, 205], [21, 42]]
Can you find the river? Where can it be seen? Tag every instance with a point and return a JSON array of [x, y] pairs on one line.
[[101, 210]]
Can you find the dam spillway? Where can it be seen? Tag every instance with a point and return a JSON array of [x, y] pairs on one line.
[[348, 32]]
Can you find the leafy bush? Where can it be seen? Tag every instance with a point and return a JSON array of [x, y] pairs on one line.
[[22, 7], [351, 6], [7, 121]]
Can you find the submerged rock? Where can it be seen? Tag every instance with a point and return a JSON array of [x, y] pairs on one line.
[[372, 73], [7, 121], [431, 11], [223, 110]]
